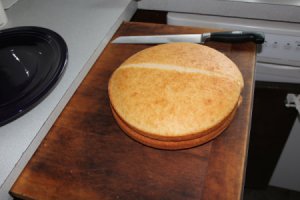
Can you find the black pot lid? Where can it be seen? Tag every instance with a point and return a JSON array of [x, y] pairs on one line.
[[32, 59]]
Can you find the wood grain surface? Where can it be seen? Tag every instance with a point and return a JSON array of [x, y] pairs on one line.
[[87, 156]]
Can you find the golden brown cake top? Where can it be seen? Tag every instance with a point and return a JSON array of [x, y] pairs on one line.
[[176, 89]]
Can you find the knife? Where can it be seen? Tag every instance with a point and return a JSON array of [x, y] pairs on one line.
[[229, 37]]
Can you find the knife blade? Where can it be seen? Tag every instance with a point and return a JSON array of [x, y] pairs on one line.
[[228, 36]]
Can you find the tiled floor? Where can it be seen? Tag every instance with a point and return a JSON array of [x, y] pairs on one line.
[[271, 193]]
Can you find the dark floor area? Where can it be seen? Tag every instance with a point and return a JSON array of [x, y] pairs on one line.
[[271, 193]]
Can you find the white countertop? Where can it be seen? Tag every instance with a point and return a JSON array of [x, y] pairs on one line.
[[86, 27]]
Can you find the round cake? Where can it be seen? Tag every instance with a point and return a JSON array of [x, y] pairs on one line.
[[176, 95]]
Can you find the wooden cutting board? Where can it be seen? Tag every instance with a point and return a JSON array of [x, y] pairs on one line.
[[87, 156]]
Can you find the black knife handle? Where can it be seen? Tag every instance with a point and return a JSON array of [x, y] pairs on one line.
[[237, 37]]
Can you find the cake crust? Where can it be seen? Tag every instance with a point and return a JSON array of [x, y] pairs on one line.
[[177, 90]]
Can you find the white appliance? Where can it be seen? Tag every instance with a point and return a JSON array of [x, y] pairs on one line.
[[279, 58], [287, 10], [278, 61]]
